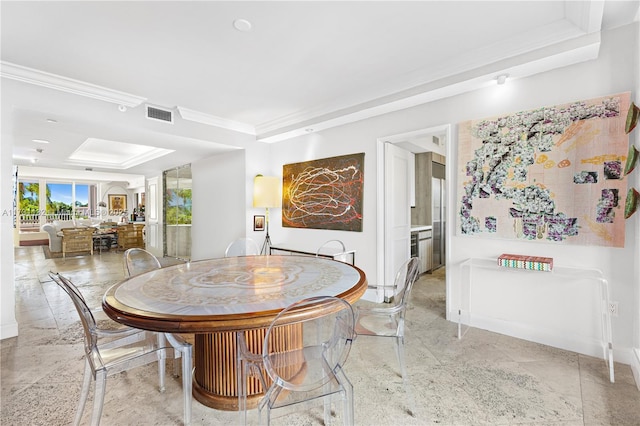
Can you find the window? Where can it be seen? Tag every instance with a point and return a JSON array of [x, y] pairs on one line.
[[29, 202], [42, 202], [29, 197], [59, 198]]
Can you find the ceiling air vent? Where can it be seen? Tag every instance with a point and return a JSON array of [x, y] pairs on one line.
[[164, 115]]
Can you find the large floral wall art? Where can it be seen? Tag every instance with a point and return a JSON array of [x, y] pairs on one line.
[[324, 193], [552, 174]]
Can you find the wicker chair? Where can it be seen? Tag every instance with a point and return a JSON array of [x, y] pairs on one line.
[[130, 236], [75, 240]]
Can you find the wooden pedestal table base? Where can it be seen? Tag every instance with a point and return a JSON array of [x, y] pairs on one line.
[[216, 298], [215, 383]]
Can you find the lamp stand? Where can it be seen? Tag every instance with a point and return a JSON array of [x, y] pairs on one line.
[[266, 246]]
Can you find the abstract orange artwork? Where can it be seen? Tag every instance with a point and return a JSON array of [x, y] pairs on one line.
[[324, 194]]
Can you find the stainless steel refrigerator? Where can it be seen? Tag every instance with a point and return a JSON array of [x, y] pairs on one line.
[[438, 213]]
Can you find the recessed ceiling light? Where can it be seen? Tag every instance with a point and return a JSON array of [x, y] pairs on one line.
[[51, 120], [40, 140], [502, 78], [122, 108], [242, 25]]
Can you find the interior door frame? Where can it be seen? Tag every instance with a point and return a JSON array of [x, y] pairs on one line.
[[380, 203]]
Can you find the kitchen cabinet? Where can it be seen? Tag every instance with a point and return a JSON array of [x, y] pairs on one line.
[[422, 247], [425, 250]]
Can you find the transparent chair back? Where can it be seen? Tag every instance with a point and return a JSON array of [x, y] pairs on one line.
[[139, 260], [242, 247], [334, 248], [125, 350], [304, 352], [403, 282], [388, 319]]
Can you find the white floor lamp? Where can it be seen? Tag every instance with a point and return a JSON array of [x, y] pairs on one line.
[[266, 193]]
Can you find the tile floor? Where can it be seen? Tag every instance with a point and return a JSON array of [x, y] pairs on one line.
[[483, 379]]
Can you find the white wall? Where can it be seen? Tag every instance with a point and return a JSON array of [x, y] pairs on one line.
[[223, 199], [634, 180], [219, 209], [351, 139], [612, 73], [112, 188], [8, 323], [258, 162]]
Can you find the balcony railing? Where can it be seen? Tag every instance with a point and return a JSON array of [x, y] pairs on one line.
[[33, 222]]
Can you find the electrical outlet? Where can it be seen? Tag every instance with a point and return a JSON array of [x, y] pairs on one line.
[[613, 309]]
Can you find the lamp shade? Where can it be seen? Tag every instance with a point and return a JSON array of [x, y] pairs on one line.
[[266, 191]]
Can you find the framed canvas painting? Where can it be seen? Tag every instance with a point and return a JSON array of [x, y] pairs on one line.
[[324, 193], [550, 174], [117, 203], [258, 223]]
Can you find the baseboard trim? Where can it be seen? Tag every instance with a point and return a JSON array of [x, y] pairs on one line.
[[635, 366], [8, 330], [24, 243], [591, 346]]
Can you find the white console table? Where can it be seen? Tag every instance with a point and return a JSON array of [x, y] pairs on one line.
[[565, 273], [348, 256]]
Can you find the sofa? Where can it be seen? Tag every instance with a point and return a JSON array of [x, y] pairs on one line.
[[53, 228]]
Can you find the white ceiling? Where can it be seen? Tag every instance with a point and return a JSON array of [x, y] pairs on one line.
[[304, 65]]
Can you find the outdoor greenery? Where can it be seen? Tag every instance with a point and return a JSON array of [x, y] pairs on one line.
[[178, 206], [30, 200]]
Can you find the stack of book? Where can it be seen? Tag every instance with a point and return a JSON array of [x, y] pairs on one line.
[[534, 263]]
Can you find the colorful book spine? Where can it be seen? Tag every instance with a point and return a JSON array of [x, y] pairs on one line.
[[533, 263]]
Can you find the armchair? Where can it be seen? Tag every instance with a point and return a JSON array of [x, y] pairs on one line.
[[55, 240], [130, 236], [76, 240]]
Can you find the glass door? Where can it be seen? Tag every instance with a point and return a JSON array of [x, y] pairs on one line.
[[177, 212]]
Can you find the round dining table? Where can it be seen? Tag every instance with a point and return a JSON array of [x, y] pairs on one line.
[[217, 298]]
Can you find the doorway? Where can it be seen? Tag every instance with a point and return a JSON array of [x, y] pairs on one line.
[[435, 140]]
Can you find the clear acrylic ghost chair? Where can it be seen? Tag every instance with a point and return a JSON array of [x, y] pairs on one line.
[[337, 253], [242, 247], [304, 350], [388, 319], [136, 262], [249, 369], [125, 350]]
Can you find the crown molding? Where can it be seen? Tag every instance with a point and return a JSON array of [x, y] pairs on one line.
[[585, 15], [69, 85], [80, 175], [563, 54], [133, 161], [564, 34], [212, 120]]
